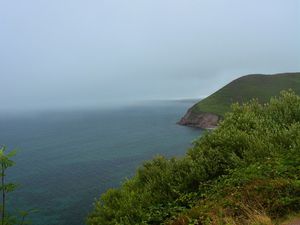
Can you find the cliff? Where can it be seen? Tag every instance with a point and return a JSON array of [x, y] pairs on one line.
[[204, 120], [208, 112]]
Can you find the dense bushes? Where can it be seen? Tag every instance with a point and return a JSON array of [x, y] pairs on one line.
[[249, 163]]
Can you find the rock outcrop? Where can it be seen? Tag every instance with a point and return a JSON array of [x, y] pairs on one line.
[[202, 120]]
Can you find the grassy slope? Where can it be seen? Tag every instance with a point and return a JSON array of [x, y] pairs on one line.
[[247, 87]]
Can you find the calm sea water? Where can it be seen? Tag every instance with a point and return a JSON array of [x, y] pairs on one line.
[[67, 159]]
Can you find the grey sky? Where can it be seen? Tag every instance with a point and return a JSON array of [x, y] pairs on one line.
[[70, 53]]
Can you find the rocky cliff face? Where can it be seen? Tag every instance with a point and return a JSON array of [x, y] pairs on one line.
[[202, 120]]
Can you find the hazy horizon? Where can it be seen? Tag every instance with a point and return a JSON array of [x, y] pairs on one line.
[[79, 54]]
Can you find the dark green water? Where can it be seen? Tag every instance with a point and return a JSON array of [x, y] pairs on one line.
[[67, 159]]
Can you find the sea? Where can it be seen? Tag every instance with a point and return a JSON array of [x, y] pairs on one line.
[[67, 158]]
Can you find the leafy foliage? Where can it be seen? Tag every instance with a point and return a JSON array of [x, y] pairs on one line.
[[5, 188], [249, 164]]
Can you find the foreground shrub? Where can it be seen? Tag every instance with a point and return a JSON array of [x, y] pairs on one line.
[[249, 164]]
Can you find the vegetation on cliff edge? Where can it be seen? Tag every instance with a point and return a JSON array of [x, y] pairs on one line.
[[247, 171]]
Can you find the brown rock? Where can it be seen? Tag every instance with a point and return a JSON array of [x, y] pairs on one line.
[[202, 120]]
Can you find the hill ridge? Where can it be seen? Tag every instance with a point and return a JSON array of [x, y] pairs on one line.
[[207, 112]]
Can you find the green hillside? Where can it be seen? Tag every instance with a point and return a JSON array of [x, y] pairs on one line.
[[259, 86]]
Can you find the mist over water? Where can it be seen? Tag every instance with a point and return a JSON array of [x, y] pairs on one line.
[[80, 54]]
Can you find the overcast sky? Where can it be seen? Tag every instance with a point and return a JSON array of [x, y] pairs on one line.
[[71, 53]]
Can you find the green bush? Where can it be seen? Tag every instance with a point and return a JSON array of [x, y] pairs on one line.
[[254, 143]]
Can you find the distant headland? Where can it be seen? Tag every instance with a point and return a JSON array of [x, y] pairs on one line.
[[209, 111]]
